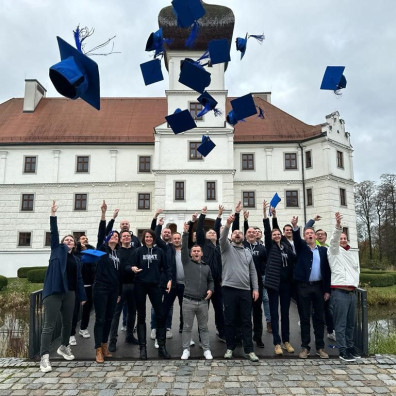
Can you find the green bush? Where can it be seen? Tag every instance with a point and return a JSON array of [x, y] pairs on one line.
[[23, 271], [37, 275], [377, 280], [375, 264], [3, 282]]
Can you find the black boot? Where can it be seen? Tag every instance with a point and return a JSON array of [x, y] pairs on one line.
[[163, 353], [143, 353], [112, 345], [141, 331], [161, 336]]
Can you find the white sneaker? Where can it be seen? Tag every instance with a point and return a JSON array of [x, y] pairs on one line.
[[169, 333], [156, 346], [153, 334], [186, 354], [208, 355], [65, 351], [331, 336], [84, 333], [72, 340], [192, 343], [123, 328], [45, 366]]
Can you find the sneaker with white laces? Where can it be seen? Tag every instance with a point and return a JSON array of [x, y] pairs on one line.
[[208, 355], [252, 357], [65, 351], [156, 346], [72, 340], [169, 333], [192, 343], [331, 336], [84, 333], [45, 366], [186, 354], [153, 334], [228, 354]]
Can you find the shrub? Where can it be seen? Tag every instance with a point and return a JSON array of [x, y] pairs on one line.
[[377, 280], [3, 282], [23, 271], [375, 264], [37, 275]]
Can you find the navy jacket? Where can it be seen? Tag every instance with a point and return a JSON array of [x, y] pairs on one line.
[[55, 281], [170, 253]]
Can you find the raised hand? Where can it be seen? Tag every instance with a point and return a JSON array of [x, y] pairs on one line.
[[338, 218], [221, 210], [115, 214], [54, 208], [186, 227], [294, 221], [194, 217], [157, 213], [204, 210], [230, 219], [317, 217], [103, 207], [161, 221], [238, 208], [245, 214]]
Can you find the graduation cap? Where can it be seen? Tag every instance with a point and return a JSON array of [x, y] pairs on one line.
[[151, 71], [333, 78], [156, 41], [209, 103], [91, 255], [181, 121], [243, 107], [219, 51], [206, 146], [193, 75], [241, 43], [76, 75], [231, 118], [274, 201]]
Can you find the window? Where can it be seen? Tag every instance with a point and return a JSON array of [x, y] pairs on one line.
[[29, 165], [47, 241], [210, 191], [309, 197], [343, 201], [143, 201], [194, 153], [308, 159], [247, 161], [77, 234], [27, 202], [144, 163], [290, 161], [80, 202], [249, 200], [345, 230], [82, 164], [179, 191], [292, 199], [195, 109], [24, 239], [340, 159]]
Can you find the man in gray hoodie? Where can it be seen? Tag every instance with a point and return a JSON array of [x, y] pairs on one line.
[[240, 288], [198, 289]]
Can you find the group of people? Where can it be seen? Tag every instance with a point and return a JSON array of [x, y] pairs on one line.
[[239, 272]]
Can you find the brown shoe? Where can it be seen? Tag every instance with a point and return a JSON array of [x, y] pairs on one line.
[[105, 351], [304, 353], [99, 355], [322, 354], [269, 327], [278, 350], [288, 347]]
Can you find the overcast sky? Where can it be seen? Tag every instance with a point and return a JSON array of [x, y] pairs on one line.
[[302, 38]]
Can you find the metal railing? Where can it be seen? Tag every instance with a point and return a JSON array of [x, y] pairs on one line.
[[361, 322]]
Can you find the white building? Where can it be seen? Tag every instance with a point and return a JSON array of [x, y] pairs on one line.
[[64, 150]]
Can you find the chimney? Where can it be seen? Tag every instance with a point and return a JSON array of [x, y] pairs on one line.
[[34, 91], [263, 95]]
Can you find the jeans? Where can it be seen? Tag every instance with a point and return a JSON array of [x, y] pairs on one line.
[[258, 314], [282, 297], [86, 308], [217, 302], [237, 312], [343, 306], [53, 304], [266, 307], [328, 317], [199, 309]]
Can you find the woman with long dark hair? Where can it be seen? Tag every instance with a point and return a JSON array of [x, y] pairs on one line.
[[62, 281]]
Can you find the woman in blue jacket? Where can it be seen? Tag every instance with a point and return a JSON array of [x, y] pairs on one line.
[[62, 281]]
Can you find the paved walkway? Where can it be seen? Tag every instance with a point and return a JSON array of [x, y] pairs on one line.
[[375, 375]]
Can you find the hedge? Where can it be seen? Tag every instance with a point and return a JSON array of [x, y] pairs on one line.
[[23, 271], [377, 280], [37, 275], [3, 282]]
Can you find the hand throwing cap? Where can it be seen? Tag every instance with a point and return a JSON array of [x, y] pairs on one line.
[[206, 146], [193, 75], [187, 11], [243, 107], [333, 78], [151, 71], [91, 255], [181, 121], [219, 51], [76, 75]]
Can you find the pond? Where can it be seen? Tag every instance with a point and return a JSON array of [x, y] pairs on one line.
[[382, 321]]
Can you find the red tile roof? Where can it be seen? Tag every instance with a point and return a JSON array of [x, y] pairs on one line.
[[127, 120]]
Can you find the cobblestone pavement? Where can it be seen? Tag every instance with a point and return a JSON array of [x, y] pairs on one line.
[[374, 375]]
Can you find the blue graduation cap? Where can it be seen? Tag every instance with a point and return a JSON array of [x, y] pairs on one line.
[[243, 107], [206, 146], [231, 118], [241, 43], [274, 201], [219, 51], [76, 75], [151, 71], [181, 121], [156, 41], [209, 103], [91, 255], [193, 75], [333, 78]]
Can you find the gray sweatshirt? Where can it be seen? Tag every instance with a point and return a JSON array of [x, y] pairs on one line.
[[238, 266], [197, 276]]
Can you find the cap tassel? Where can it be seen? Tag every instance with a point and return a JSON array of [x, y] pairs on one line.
[[77, 40], [190, 42], [217, 112], [261, 113], [259, 37]]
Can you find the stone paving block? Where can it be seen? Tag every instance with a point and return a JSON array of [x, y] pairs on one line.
[[158, 392], [297, 391], [365, 390], [380, 389]]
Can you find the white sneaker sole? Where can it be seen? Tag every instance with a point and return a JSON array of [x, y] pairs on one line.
[[45, 369], [66, 357]]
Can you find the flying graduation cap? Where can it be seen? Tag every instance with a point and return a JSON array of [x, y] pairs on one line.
[[76, 75], [274, 201], [206, 146], [219, 51], [334, 79], [181, 121], [156, 42], [91, 255], [241, 43], [151, 71], [193, 75], [209, 103], [243, 107]]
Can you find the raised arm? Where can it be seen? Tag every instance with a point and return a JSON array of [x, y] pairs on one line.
[[185, 256], [245, 221], [200, 227], [224, 242], [158, 240], [54, 226], [298, 242], [217, 224], [110, 225], [274, 219], [191, 228], [311, 222], [267, 227], [102, 225], [235, 224], [155, 218], [335, 237]]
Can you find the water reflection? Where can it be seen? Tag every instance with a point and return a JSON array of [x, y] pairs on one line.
[[382, 321], [14, 334]]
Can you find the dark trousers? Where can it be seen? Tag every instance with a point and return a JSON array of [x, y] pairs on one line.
[[105, 300], [281, 297], [258, 313], [217, 302], [169, 299], [328, 317], [128, 297], [153, 291], [238, 312], [310, 298], [86, 311]]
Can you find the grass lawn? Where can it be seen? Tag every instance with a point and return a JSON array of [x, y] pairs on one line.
[[381, 295], [17, 293]]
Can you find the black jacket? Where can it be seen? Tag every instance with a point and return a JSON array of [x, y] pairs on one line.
[[135, 243], [126, 261], [170, 253]]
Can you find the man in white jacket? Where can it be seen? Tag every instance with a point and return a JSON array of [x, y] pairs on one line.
[[345, 271]]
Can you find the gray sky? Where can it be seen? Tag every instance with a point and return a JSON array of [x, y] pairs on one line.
[[302, 38]]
